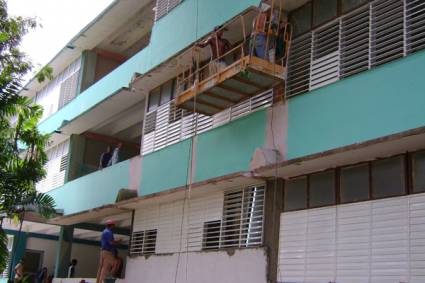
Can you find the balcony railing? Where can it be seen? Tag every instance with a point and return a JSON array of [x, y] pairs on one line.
[[379, 32], [169, 124]]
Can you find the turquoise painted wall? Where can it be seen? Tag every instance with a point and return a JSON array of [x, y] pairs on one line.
[[383, 101], [229, 148], [93, 190], [190, 20], [166, 169]]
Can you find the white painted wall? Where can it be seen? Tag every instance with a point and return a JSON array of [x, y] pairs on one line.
[[380, 241], [244, 266], [87, 256]]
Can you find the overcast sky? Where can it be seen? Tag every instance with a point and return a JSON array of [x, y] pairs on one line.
[[60, 20]]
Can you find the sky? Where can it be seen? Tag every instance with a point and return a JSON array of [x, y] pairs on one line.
[[60, 21]]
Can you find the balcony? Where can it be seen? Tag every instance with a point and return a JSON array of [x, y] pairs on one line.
[[96, 189]]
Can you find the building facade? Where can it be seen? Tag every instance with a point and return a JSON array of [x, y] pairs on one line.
[[305, 164]]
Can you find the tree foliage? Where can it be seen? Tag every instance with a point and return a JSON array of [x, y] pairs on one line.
[[22, 155]]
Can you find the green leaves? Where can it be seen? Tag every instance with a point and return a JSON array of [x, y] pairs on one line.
[[4, 252], [22, 155]]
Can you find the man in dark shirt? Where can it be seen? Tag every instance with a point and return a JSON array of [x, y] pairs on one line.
[[219, 46], [105, 157], [107, 258]]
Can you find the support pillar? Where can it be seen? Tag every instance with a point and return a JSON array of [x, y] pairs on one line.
[[75, 169], [274, 207], [63, 251]]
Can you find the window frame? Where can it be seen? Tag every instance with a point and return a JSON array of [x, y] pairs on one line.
[[403, 171], [339, 13], [407, 171]]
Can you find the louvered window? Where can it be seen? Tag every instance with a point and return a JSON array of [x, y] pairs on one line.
[[211, 238], [68, 89], [55, 167], [299, 66], [368, 36], [415, 19], [163, 7], [387, 31], [355, 42], [325, 64], [168, 124], [143, 243], [243, 215]]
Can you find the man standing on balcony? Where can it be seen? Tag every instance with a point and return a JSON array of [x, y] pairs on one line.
[[115, 155], [105, 158], [107, 257]]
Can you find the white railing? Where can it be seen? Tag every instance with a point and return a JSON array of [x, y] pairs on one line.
[[169, 124], [374, 34]]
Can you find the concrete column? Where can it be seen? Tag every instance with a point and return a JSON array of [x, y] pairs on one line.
[[63, 251], [274, 206], [87, 70], [18, 251], [77, 146]]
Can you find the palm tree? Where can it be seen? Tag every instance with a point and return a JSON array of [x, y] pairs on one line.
[[22, 158]]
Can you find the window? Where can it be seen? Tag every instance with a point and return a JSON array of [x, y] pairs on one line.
[[323, 11], [211, 238], [322, 189], [348, 5], [295, 194], [161, 95], [243, 213], [163, 7], [167, 91], [143, 242], [354, 183], [154, 98], [418, 172], [301, 19], [388, 177]]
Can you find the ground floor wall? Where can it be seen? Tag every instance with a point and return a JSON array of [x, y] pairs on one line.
[[244, 265], [378, 241], [87, 255]]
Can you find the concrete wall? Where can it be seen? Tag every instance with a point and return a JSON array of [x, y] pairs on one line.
[[192, 19], [247, 266], [383, 101], [166, 168], [104, 66]]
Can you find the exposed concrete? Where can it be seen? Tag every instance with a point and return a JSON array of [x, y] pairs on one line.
[[135, 173], [246, 265], [274, 149], [274, 206], [277, 128]]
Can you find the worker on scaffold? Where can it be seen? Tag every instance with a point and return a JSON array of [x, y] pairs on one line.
[[219, 46], [263, 41]]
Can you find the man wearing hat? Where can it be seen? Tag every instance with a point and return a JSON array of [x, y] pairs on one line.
[[107, 258]]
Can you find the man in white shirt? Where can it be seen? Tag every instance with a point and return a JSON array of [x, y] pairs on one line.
[[115, 155]]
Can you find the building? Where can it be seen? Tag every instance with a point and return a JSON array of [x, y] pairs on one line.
[[311, 170]]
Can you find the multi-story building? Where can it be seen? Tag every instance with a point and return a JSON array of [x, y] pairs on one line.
[[243, 168]]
